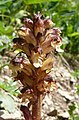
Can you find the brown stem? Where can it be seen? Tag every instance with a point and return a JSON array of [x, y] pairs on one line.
[[36, 108]]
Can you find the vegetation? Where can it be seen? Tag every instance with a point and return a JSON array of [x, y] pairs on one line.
[[64, 14]]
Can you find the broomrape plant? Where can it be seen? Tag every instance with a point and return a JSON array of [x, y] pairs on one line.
[[37, 38]]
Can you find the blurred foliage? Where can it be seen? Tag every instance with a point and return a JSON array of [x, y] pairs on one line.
[[77, 89], [8, 89], [71, 111], [64, 14], [76, 73], [38, 1], [9, 86], [7, 102], [73, 115]]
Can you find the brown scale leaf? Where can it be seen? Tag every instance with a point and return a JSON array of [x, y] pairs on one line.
[[24, 79], [47, 64]]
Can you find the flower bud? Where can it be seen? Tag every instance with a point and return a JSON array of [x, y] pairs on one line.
[[28, 23], [48, 23], [56, 31], [39, 27]]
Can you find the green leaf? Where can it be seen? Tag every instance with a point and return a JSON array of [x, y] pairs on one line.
[[76, 73], [20, 14], [10, 86], [71, 109], [9, 29], [4, 39], [38, 1], [2, 29], [5, 30], [4, 1], [2, 47], [74, 34], [7, 102], [76, 118], [77, 88]]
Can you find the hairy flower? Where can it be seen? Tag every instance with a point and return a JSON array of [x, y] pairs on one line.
[[37, 38]]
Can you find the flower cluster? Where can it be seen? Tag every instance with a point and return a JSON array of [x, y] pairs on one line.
[[37, 39]]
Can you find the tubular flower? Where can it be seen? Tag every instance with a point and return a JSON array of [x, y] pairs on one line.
[[37, 38]]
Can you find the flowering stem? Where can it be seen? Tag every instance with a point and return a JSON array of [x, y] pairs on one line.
[[36, 108]]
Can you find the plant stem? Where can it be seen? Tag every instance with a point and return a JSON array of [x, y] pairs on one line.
[[36, 108]]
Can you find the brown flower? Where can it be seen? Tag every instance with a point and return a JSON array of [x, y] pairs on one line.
[[37, 38]]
